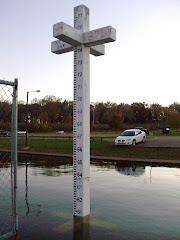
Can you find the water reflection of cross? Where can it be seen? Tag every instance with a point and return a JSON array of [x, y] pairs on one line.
[[82, 41]]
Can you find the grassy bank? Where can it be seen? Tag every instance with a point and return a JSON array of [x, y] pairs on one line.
[[98, 148]]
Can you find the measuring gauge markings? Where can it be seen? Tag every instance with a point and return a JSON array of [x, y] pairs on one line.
[[78, 118], [78, 130]]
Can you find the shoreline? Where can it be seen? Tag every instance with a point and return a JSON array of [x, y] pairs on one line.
[[103, 158]]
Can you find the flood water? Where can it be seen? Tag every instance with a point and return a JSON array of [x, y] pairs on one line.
[[128, 201]]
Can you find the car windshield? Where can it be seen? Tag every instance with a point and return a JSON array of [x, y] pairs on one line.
[[128, 133]]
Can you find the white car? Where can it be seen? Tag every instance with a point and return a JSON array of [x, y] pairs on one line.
[[21, 132], [60, 132], [130, 137]]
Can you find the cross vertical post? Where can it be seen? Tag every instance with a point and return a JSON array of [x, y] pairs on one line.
[[81, 118], [83, 42]]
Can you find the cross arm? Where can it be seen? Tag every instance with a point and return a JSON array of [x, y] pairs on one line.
[[74, 37], [97, 50], [99, 36], [68, 34], [60, 47]]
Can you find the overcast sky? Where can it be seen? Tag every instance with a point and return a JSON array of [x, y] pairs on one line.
[[143, 65]]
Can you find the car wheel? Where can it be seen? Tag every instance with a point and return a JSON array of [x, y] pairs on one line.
[[134, 142], [144, 139]]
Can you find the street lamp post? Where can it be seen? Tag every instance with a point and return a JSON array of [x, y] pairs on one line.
[[27, 114]]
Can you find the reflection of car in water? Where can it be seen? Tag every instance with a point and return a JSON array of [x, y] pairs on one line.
[[131, 170]]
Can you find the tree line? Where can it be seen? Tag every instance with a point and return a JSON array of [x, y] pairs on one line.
[[51, 113]]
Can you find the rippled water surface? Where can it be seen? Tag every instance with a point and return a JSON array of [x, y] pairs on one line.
[[127, 201]]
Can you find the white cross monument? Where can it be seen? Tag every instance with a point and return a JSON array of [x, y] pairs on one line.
[[82, 41]]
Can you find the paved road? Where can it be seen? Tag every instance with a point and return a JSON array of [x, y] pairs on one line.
[[161, 141], [158, 141]]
